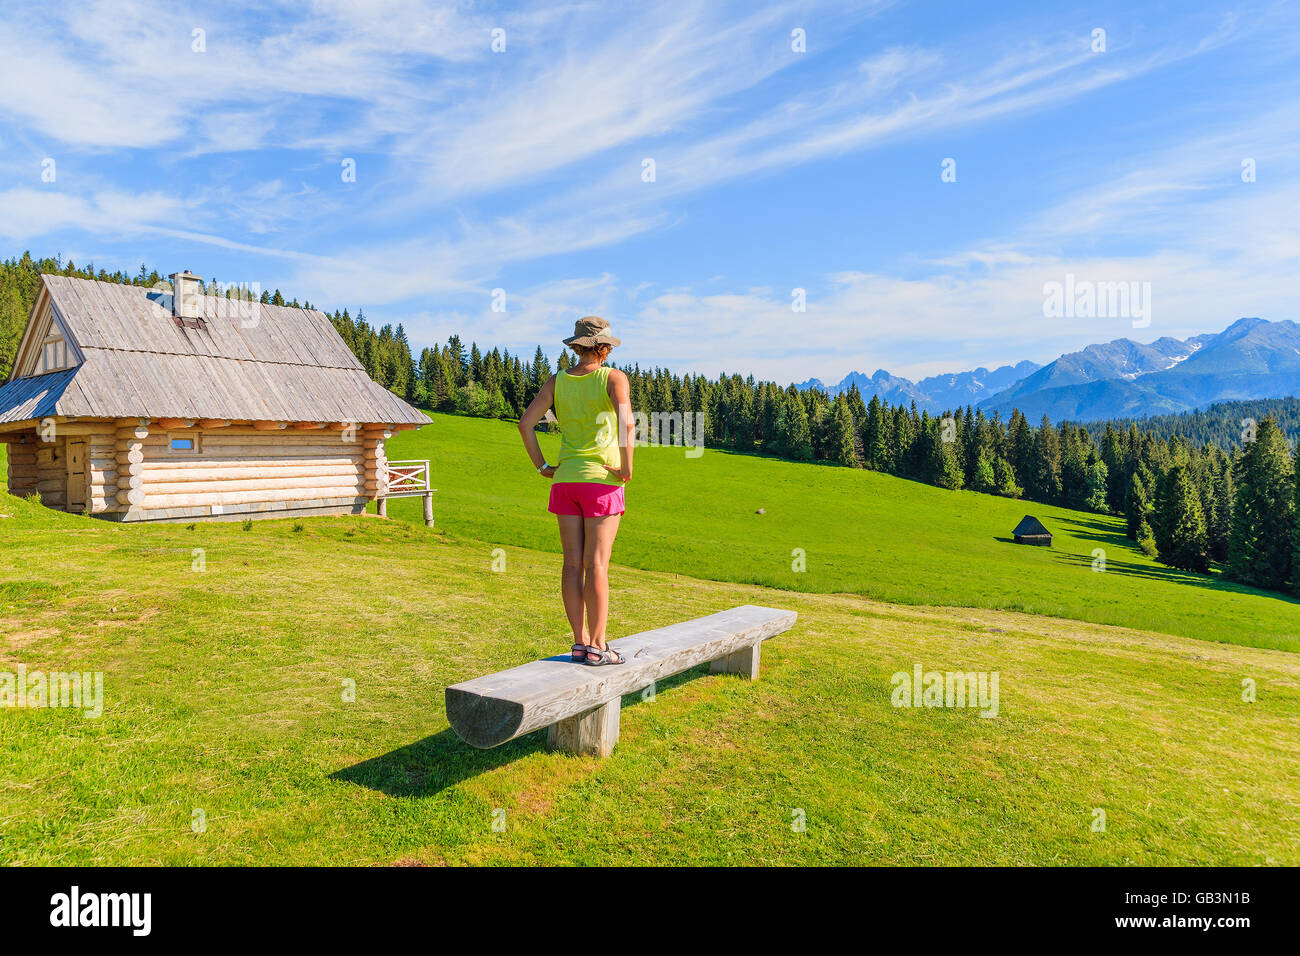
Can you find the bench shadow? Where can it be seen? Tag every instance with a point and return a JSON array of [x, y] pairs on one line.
[[428, 767]]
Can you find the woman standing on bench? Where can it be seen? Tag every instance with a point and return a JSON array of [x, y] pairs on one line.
[[594, 411]]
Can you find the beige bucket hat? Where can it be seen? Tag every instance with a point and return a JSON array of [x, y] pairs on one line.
[[590, 331]]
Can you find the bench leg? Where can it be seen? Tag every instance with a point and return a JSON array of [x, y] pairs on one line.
[[593, 733], [744, 661], [428, 510], [381, 507]]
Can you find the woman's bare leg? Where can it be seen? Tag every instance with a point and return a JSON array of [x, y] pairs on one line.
[[598, 545], [572, 539]]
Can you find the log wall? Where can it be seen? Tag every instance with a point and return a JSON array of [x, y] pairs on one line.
[[22, 471], [52, 472], [102, 470], [243, 467]]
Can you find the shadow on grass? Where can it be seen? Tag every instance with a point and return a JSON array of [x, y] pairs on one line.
[[442, 760], [1215, 580]]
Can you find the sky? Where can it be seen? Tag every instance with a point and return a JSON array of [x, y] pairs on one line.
[[788, 190]]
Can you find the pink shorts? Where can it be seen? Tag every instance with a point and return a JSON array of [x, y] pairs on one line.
[[590, 499]]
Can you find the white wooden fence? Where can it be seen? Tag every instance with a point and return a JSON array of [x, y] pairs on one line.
[[407, 479]]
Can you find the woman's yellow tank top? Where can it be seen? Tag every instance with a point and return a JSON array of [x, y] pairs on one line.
[[588, 427]]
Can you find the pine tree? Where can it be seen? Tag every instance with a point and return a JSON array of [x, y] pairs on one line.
[[1259, 540], [841, 441], [1295, 531], [983, 477], [1098, 485], [1136, 505], [1180, 540], [1221, 528], [1044, 482], [798, 434], [875, 437], [1146, 539], [1117, 473], [539, 375], [456, 356], [1005, 475], [1020, 447]]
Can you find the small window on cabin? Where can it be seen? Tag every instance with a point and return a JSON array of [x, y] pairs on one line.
[[183, 444], [54, 355]]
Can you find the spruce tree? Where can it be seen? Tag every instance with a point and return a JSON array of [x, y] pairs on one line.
[[983, 477], [1136, 505], [1006, 479], [798, 438], [841, 441], [875, 437], [1259, 539], [1097, 484], [1181, 541], [1045, 477]]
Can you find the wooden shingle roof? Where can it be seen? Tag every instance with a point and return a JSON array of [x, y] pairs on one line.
[[1030, 527], [241, 361]]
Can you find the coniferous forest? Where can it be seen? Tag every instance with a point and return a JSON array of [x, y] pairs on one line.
[[1216, 486]]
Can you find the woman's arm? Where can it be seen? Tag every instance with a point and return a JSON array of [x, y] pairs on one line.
[[528, 426], [621, 395]]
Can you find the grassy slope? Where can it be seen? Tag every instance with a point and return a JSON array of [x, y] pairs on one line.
[[224, 693], [863, 533]]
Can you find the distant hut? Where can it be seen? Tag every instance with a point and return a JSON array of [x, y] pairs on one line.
[[140, 404], [1031, 531]]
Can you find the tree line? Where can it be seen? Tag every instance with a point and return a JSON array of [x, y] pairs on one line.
[[1189, 503], [1190, 494], [1226, 424]]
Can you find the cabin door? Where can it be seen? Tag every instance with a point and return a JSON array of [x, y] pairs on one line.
[[76, 475]]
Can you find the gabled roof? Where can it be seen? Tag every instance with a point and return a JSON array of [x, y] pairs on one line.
[[241, 361], [1030, 526]]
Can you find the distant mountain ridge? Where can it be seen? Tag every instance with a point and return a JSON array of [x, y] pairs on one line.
[[1251, 359], [936, 393]]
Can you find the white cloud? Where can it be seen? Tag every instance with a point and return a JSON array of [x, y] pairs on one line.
[[473, 162]]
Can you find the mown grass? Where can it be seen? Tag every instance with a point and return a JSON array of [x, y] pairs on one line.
[[862, 533], [225, 693]]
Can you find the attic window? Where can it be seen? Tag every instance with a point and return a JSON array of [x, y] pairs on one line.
[[54, 355], [183, 444]]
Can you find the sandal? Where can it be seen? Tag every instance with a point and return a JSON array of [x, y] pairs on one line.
[[578, 653], [607, 655]]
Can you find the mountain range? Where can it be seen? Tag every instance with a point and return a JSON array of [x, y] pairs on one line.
[[1251, 359]]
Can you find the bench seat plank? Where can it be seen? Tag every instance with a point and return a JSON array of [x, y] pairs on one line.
[[490, 710]]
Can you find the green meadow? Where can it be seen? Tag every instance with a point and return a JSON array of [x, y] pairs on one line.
[[860, 532], [273, 694], [226, 737]]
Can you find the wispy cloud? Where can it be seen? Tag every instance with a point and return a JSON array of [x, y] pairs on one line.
[[478, 169]]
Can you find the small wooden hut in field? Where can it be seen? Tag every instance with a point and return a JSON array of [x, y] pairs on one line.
[[1031, 531], [138, 404]]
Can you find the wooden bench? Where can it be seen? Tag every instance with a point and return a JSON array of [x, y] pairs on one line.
[[580, 704]]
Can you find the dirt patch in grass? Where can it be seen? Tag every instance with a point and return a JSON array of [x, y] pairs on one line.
[[27, 638]]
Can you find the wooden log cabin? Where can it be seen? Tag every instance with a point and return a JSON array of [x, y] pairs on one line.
[[140, 404]]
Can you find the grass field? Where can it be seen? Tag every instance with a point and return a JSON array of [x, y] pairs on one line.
[[224, 688], [224, 694], [862, 532]]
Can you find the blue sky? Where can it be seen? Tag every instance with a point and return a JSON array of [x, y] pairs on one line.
[[522, 170]]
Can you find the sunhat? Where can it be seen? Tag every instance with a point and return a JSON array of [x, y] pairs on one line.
[[590, 331]]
